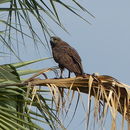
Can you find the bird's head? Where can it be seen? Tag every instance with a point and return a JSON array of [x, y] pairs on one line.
[[54, 41]]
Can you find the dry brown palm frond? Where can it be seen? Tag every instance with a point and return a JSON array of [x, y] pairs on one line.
[[108, 92], [43, 71]]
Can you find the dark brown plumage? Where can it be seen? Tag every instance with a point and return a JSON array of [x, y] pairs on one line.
[[66, 56]]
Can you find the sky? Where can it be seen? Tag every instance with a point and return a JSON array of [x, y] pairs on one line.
[[103, 46]]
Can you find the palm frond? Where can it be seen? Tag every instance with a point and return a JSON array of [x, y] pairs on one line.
[[20, 14], [21, 107], [21, 64], [107, 91], [4, 1]]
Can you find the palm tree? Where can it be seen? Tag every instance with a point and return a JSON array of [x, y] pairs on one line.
[[23, 102]]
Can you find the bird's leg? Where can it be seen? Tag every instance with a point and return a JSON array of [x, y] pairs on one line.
[[69, 74], [61, 69], [61, 73]]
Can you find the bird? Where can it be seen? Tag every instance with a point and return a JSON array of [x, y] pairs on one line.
[[66, 56]]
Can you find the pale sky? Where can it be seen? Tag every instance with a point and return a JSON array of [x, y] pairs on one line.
[[103, 46]]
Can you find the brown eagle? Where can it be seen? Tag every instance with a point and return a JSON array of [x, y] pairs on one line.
[[66, 56]]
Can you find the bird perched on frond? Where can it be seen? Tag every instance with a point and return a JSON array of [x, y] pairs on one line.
[[66, 56]]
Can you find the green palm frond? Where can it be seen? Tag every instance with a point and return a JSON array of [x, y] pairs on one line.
[[8, 72], [22, 64], [4, 1], [20, 14], [21, 107]]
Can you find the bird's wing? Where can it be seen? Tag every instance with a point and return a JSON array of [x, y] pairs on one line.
[[68, 58], [74, 54]]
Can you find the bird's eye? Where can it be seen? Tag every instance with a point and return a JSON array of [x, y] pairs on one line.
[[54, 39]]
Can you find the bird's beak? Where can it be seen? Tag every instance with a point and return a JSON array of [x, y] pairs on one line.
[[52, 42], [51, 39]]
